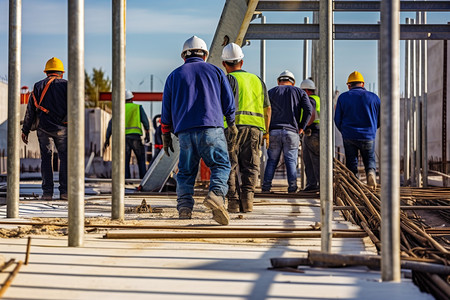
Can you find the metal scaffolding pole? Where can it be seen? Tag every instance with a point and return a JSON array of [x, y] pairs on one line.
[[407, 115], [13, 149], [305, 54], [424, 59], [118, 109], [326, 121], [413, 119], [390, 122], [418, 104], [75, 130], [262, 73]]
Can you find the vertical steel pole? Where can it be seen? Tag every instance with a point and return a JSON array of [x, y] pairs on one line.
[[444, 113], [262, 73], [118, 109], [305, 54], [407, 115], [326, 120], [13, 149], [75, 134], [424, 84], [378, 133], [315, 55], [418, 102], [413, 112], [390, 157]]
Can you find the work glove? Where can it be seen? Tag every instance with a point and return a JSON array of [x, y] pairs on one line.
[[147, 137], [266, 138], [105, 145], [25, 138], [167, 143]]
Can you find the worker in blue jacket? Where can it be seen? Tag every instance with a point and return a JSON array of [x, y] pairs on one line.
[[357, 117], [196, 98], [48, 105]]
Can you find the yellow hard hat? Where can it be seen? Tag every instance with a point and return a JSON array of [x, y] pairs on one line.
[[355, 77], [54, 64]]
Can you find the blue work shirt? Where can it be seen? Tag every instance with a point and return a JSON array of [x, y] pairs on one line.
[[287, 102], [357, 114], [197, 94]]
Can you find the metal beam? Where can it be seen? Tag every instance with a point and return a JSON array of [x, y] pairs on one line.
[[345, 32], [348, 6]]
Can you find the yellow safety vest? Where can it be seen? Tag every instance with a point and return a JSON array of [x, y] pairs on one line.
[[251, 100], [317, 99], [133, 119]]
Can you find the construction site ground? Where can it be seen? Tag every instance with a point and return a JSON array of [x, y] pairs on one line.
[[187, 267]]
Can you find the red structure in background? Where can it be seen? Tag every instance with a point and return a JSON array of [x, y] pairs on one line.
[[24, 95], [138, 96]]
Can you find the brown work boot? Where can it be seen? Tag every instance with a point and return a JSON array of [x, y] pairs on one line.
[[215, 203], [372, 179], [185, 213], [233, 205], [247, 202]]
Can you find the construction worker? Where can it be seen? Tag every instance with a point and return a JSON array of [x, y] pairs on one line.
[[311, 139], [196, 98], [48, 107], [291, 111], [158, 135], [252, 119], [357, 117], [134, 117]]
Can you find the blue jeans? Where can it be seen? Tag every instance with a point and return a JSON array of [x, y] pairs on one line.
[[60, 140], [367, 150], [288, 141], [210, 145], [311, 158], [134, 143]]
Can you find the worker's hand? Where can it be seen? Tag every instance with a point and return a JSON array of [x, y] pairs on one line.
[[167, 143], [147, 137], [105, 145], [25, 138], [300, 133], [266, 138]]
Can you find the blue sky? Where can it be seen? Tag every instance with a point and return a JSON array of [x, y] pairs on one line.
[[156, 31]]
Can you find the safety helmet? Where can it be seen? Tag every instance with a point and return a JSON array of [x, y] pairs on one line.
[[232, 52], [355, 77], [192, 45], [54, 64], [128, 95], [307, 84], [286, 75]]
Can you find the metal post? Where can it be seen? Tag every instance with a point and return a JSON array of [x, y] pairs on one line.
[[326, 120], [378, 133], [262, 74], [75, 130], [424, 84], [315, 55], [305, 54], [418, 102], [407, 116], [118, 109], [390, 158], [13, 149], [444, 113], [413, 120]]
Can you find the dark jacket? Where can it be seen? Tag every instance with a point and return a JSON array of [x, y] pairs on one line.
[[55, 100]]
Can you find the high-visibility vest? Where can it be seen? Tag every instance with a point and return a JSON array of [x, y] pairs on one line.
[[133, 118], [317, 99], [251, 100]]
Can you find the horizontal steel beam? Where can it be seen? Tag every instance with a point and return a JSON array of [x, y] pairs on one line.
[[344, 32], [347, 6]]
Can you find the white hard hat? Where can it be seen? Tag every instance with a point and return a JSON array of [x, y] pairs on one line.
[[128, 95], [232, 52], [307, 84], [192, 44], [286, 75]]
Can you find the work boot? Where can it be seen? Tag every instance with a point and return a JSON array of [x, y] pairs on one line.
[[247, 202], [233, 205], [372, 179], [215, 203], [63, 197], [185, 213], [46, 197]]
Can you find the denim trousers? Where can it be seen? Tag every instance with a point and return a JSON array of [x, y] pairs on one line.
[[288, 142], [311, 158], [134, 143], [210, 145], [60, 140], [367, 150]]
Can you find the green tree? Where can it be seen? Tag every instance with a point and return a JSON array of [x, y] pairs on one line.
[[95, 84]]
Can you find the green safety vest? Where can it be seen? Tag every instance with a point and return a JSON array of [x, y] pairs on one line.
[[133, 118], [251, 100], [317, 99]]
